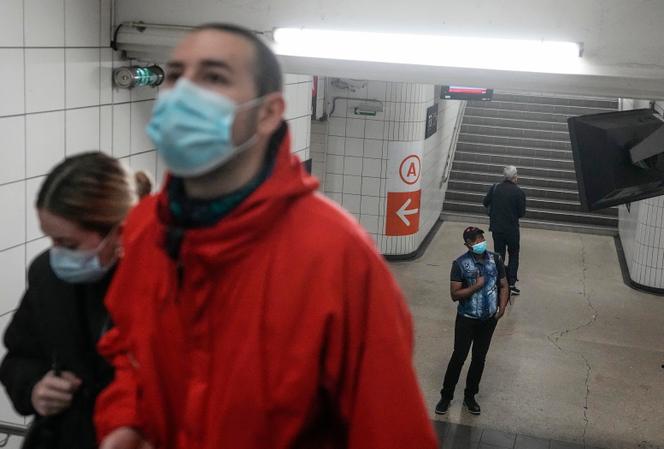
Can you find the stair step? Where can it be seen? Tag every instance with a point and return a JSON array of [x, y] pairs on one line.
[[516, 160], [516, 115], [538, 214], [519, 133], [515, 123], [517, 142], [514, 151], [532, 172], [524, 180], [603, 103], [556, 205], [534, 107], [529, 223], [530, 191]]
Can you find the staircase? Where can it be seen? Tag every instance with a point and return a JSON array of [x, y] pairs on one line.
[[529, 132]]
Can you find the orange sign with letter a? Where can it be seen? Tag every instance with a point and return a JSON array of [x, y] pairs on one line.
[[403, 213]]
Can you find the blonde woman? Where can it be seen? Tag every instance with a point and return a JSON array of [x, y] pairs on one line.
[[52, 369]]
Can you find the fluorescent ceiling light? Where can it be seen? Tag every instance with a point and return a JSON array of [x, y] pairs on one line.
[[431, 50]]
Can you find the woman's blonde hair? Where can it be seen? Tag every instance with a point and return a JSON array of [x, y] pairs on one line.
[[92, 190]]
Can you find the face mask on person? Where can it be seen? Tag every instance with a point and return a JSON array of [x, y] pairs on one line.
[[479, 248], [78, 266], [192, 128]]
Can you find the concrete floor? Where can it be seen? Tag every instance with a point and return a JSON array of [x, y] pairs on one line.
[[577, 358]]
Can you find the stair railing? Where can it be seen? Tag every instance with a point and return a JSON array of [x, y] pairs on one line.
[[453, 144], [8, 430]]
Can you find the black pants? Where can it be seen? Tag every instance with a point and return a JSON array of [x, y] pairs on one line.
[[468, 331], [511, 241]]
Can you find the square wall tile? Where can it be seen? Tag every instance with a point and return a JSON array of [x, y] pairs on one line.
[[290, 98], [12, 155], [372, 168], [334, 196], [45, 142], [337, 127], [355, 127], [106, 129], [12, 278], [121, 130], [82, 75], [334, 164], [82, 23], [11, 23], [352, 184], [82, 127], [353, 166], [32, 226], [12, 219], [352, 203], [44, 23], [44, 79], [106, 76], [140, 116], [373, 148], [354, 147], [303, 99], [12, 86], [370, 205], [370, 186], [106, 23], [336, 145], [334, 183], [374, 129]]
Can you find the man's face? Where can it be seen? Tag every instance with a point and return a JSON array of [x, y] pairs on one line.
[[479, 239], [221, 62]]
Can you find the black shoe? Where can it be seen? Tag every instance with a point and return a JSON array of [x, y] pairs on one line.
[[472, 406], [515, 291], [442, 407]]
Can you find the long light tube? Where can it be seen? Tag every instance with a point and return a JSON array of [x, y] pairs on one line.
[[432, 50]]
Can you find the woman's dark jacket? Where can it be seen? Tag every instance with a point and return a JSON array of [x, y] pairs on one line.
[[57, 325]]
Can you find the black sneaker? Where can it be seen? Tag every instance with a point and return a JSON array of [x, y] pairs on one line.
[[442, 407], [472, 406], [515, 291]]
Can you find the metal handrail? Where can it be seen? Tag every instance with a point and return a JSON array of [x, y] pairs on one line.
[[453, 145], [8, 430]]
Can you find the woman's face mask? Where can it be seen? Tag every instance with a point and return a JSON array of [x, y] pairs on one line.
[[79, 266], [78, 255], [192, 128]]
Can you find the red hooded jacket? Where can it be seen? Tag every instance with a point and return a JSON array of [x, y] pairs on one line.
[[281, 328]]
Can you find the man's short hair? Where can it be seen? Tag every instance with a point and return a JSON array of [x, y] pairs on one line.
[[267, 72], [509, 172]]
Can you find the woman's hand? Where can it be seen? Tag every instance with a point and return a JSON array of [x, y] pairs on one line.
[[53, 394]]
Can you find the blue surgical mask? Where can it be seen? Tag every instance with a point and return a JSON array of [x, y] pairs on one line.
[[78, 266], [479, 248], [192, 129]]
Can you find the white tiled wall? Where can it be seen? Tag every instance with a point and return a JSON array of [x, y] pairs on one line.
[[642, 232], [56, 99], [350, 153]]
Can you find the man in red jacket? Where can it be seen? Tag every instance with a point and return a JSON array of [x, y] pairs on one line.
[[250, 312]]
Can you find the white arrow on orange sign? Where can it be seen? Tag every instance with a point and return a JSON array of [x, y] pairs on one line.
[[403, 212]]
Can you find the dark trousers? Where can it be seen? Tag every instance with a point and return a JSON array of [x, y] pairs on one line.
[[468, 331], [509, 240]]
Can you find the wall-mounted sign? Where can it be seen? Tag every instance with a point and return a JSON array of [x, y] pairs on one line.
[[432, 121], [466, 93]]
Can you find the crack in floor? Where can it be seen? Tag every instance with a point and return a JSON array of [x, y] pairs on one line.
[[556, 336]]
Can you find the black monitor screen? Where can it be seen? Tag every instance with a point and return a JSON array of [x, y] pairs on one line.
[[601, 146], [466, 93]]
